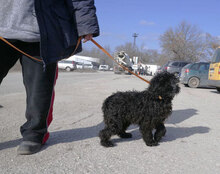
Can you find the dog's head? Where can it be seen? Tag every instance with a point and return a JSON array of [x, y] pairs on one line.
[[164, 84]]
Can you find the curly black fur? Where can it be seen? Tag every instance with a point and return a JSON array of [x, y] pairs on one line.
[[144, 108]]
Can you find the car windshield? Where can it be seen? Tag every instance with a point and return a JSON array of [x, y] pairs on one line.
[[216, 56]]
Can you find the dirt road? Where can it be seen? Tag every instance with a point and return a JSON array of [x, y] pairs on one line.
[[191, 144]]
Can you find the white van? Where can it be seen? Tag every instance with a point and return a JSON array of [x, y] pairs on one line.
[[104, 67]]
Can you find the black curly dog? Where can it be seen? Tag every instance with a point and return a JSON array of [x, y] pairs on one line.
[[148, 109]]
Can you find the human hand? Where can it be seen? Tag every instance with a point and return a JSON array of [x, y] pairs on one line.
[[87, 38]]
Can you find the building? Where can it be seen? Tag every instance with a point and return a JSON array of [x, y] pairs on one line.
[[84, 61]]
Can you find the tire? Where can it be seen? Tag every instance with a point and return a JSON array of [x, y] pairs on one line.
[[218, 89], [68, 69], [193, 82]]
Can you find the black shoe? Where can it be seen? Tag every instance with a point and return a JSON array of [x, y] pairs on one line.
[[28, 148]]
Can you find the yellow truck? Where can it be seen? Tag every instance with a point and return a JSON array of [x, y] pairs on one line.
[[214, 70]]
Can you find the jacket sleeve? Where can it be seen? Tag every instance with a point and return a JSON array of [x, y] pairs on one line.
[[85, 16]]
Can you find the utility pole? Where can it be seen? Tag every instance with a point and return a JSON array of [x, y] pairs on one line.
[[135, 35], [135, 58]]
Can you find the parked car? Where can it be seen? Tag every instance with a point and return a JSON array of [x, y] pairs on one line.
[[174, 66], [88, 66], [79, 65], [195, 74], [214, 70], [67, 65], [104, 67]]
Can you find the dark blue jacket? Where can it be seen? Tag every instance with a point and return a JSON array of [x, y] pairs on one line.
[[61, 22]]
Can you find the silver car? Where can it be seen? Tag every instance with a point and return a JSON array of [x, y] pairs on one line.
[[67, 65], [174, 66]]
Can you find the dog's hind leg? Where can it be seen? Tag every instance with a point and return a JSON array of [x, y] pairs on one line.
[[160, 132], [147, 135], [104, 136], [124, 134]]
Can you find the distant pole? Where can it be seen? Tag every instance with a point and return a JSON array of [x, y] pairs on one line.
[[135, 35], [135, 58]]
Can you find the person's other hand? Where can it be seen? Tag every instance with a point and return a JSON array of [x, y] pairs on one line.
[[87, 38]]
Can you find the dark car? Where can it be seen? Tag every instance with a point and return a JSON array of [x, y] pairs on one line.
[[174, 66], [195, 74]]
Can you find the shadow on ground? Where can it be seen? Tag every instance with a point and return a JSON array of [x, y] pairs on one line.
[[179, 116], [72, 135]]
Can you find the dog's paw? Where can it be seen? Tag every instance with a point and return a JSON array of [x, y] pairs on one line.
[[152, 143], [157, 138], [125, 135], [107, 143], [158, 135]]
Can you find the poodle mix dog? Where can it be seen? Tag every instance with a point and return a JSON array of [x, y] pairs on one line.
[[148, 109]]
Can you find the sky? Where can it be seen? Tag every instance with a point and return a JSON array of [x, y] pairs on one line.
[[120, 19]]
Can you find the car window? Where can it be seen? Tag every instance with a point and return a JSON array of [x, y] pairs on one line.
[[204, 67], [175, 64], [183, 64], [195, 66]]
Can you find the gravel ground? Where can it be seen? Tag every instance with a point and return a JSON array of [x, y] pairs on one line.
[[191, 144]]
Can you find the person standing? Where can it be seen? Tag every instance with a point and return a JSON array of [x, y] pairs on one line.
[[49, 31]]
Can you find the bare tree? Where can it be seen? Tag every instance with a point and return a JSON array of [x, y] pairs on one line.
[[210, 44], [162, 59], [185, 42], [150, 56]]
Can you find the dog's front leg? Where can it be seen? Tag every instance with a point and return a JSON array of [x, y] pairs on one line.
[[147, 135], [160, 132]]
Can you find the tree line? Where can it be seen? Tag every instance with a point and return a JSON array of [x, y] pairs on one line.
[[183, 42]]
